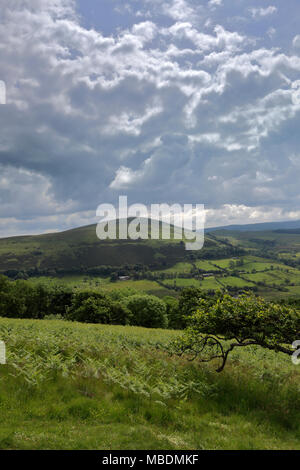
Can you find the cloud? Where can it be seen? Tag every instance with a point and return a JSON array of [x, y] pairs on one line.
[[179, 10], [230, 214], [296, 41], [215, 3], [162, 107], [262, 12]]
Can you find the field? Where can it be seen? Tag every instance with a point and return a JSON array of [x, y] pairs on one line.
[[77, 386], [267, 276], [101, 284]]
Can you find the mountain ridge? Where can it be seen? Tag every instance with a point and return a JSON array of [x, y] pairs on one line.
[[257, 227]]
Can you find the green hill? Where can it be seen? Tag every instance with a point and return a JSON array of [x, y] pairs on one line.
[[78, 249], [267, 262]]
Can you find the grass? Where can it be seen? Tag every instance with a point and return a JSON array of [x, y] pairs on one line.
[[271, 274], [210, 283], [182, 282], [78, 386], [178, 268], [74, 282], [206, 265], [100, 284], [234, 281]]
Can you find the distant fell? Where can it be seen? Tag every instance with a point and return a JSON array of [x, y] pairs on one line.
[[264, 226]]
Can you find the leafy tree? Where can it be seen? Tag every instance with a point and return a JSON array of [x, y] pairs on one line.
[[214, 330], [231, 264], [94, 307], [89, 307], [91, 310], [147, 310], [173, 313], [189, 301], [114, 277], [60, 300], [119, 314]]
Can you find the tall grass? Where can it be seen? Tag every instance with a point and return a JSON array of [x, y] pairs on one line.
[[78, 386]]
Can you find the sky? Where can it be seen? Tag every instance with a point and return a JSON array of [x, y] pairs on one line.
[[165, 101]]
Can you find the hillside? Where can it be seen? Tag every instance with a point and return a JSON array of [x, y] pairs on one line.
[[78, 249], [117, 387], [267, 262], [264, 226]]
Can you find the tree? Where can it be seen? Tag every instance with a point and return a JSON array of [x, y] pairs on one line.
[[173, 313], [147, 310], [94, 307], [214, 330], [231, 264], [189, 301], [114, 277], [89, 307]]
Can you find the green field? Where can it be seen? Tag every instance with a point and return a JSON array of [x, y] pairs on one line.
[[182, 282], [76, 386], [101, 284], [234, 281], [206, 265], [210, 283], [178, 268]]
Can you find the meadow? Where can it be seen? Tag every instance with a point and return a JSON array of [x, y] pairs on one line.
[[80, 386], [267, 276]]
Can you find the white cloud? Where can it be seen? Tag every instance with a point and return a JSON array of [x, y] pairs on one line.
[[231, 214], [179, 10], [271, 32], [168, 109], [126, 177], [131, 123], [296, 41], [215, 3], [262, 12]]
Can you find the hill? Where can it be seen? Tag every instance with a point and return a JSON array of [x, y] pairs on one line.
[[264, 226], [267, 262], [79, 249]]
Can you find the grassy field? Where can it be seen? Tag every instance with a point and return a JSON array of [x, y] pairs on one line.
[[210, 283], [271, 274], [233, 281], [182, 282], [206, 265], [178, 268], [101, 284], [77, 386]]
